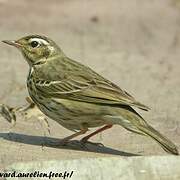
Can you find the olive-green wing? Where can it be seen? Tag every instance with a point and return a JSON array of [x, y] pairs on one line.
[[91, 90]]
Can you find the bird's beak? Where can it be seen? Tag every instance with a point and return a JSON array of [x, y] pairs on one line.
[[12, 43]]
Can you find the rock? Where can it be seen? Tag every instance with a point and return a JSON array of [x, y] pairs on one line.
[[113, 168]]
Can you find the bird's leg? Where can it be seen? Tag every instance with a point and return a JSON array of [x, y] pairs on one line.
[[66, 139], [29, 100], [29, 106], [85, 139], [25, 108]]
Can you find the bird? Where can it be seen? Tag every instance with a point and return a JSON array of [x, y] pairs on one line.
[[77, 97]]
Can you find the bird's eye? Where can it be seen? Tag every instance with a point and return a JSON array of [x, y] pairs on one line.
[[34, 44]]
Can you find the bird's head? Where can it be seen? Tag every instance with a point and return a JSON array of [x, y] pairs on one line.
[[36, 49]]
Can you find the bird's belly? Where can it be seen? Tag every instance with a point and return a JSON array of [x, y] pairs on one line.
[[70, 114]]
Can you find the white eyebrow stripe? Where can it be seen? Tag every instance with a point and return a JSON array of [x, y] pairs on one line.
[[42, 41]]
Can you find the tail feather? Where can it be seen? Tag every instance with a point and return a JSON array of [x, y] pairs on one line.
[[165, 143]]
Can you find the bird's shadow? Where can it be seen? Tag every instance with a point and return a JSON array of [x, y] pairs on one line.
[[73, 145]]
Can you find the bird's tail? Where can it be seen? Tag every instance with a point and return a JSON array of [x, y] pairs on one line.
[[165, 143]]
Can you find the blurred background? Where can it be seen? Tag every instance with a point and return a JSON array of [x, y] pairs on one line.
[[135, 44]]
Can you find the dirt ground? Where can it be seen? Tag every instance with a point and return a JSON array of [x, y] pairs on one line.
[[135, 44]]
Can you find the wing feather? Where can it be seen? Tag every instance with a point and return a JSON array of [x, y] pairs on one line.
[[72, 80], [94, 91]]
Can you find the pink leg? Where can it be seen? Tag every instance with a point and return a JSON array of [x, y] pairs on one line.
[[85, 139]]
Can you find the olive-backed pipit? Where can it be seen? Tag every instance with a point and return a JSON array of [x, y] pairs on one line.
[[77, 97]]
